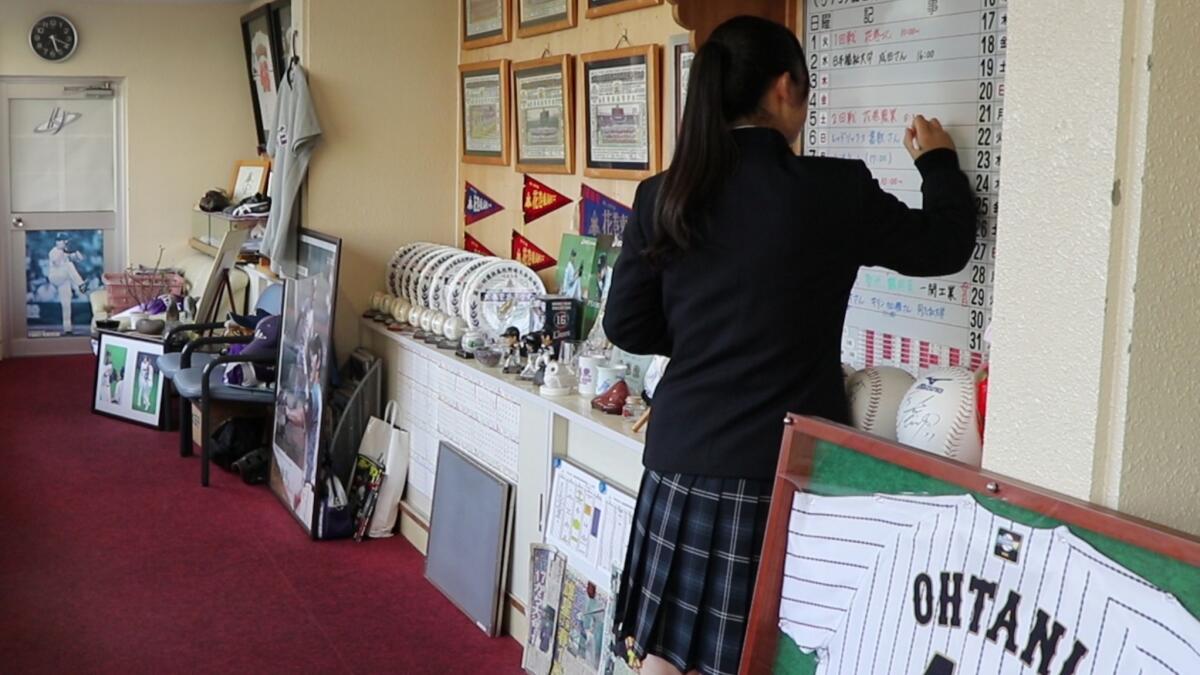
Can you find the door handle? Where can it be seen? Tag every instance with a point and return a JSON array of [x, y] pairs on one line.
[[17, 222]]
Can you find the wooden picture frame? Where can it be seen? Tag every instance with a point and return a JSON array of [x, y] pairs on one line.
[[600, 162], [532, 73], [540, 25], [599, 8], [798, 459], [485, 110], [486, 34], [264, 67], [246, 171], [677, 67], [119, 385]]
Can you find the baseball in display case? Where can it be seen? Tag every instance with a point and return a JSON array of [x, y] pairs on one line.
[[880, 558]]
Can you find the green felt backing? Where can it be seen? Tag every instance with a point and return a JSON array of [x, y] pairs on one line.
[[840, 471]]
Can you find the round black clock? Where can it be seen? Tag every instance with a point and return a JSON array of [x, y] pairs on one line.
[[53, 38]]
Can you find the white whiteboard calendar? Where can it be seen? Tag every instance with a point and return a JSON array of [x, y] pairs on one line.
[[874, 65]]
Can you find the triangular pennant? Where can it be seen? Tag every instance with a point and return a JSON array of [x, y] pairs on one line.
[[477, 206], [600, 214], [475, 246], [527, 253], [540, 199]]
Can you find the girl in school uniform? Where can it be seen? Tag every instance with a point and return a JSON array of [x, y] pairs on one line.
[[738, 264]]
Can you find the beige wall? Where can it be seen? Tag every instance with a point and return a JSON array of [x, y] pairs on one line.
[[504, 183], [186, 94], [382, 82], [1160, 467]]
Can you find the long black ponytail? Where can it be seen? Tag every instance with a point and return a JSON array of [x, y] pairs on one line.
[[729, 76]]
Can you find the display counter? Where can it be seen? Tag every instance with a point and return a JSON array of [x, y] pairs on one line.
[[502, 423]]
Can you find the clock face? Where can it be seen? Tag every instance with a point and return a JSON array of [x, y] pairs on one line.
[[53, 38]]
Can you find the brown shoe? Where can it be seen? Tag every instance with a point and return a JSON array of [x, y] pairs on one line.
[[612, 401]]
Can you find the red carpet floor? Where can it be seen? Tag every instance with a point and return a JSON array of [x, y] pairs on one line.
[[113, 559]]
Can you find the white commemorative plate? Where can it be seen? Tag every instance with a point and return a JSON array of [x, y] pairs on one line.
[[425, 276], [504, 294], [453, 295], [442, 276], [396, 268], [408, 276]]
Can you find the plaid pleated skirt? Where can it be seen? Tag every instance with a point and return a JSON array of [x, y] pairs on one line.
[[689, 570]]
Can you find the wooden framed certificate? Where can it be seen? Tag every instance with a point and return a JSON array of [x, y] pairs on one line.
[[621, 95], [678, 69], [535, 17], [486, 23], [485, 106], [545, 112], [598, 8]]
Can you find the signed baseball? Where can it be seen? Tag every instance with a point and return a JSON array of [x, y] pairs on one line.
[[938, 415], [875, 394]]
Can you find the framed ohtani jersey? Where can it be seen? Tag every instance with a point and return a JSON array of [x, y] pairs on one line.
[[881, 559]]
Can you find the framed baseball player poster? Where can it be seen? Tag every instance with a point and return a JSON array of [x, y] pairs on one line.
[[879, 558], [128, 384]]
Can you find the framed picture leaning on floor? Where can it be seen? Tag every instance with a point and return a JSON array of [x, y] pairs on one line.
[[128, 384], [306, 361]]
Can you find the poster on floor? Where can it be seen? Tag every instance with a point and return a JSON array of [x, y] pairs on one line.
[[305, 367], [128, 384], [61, 268]]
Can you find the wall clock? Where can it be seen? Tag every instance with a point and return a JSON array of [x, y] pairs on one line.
[[54, 38]]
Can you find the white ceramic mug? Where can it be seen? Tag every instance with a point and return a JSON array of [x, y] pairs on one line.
[[607, 376], [588, 367]]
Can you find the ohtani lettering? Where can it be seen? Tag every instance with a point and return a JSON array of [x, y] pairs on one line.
[[1041, 641]]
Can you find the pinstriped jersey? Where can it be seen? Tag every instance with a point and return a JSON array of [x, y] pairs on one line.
[[909, 585]]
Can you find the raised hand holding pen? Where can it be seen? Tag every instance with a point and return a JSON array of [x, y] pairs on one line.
[[925, 135]]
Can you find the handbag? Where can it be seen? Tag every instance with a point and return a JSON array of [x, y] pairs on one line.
[[387, 445]]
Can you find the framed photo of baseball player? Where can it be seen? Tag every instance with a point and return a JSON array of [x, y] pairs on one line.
[[304, 372], [545, 111], [880, 558], [485, 110], [128, 384], [620, 89]]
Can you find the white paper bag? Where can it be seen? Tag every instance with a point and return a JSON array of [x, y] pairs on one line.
[[389, 445]]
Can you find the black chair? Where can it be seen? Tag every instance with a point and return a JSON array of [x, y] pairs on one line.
[[205, 384], [198, 375], [270, 301]]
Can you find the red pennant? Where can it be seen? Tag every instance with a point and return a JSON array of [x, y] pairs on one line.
[[540, 199], [527, 253], [475, 246]]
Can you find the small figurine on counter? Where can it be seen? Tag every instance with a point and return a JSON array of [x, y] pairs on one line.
[[511, 360], [558, 380], [544, 358], [531, 348]]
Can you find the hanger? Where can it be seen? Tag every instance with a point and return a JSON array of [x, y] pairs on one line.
[[292, 62]]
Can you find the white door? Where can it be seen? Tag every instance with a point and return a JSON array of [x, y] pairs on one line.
[[60, 196]]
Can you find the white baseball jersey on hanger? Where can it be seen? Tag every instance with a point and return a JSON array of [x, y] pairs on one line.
[[909, 585]]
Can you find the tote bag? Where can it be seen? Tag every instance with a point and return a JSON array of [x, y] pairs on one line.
[[388, 445]]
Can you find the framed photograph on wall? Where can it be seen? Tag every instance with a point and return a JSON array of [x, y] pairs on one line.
[[249, 178], [128, 384], [262, 61], [485, 108], [486, 23], [599, 8], [623, 117], [305, 364], [678, 67], [535, 17], [281, 25], [545, 107]]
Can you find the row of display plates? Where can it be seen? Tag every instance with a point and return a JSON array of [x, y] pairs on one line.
[[448, 284]]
